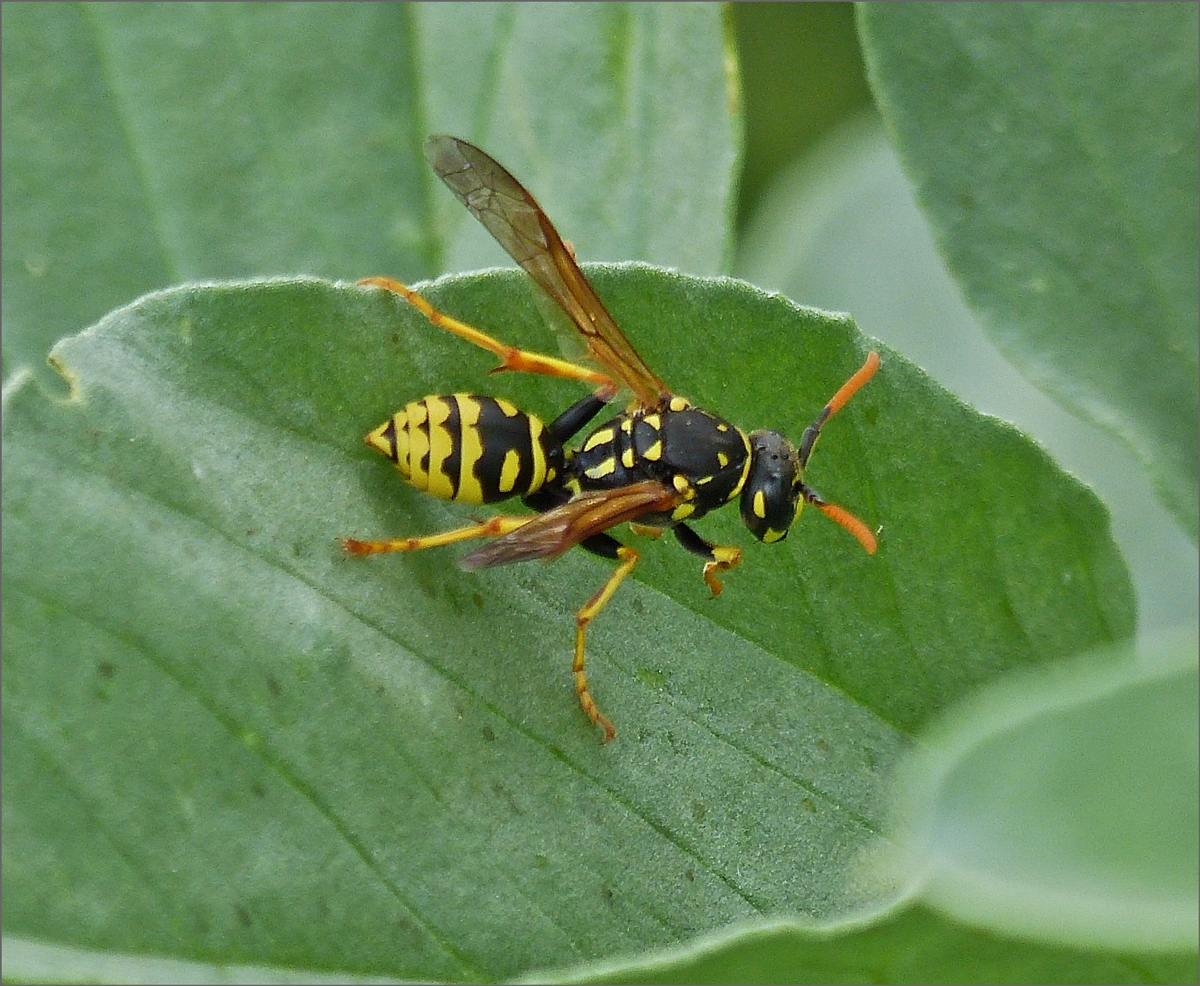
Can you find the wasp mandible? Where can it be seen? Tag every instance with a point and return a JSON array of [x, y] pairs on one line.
[[661, 462]]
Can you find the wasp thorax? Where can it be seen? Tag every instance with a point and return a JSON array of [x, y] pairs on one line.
[[772, 489]]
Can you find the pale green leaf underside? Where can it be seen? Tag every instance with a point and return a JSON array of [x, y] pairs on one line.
[[1061, 805]]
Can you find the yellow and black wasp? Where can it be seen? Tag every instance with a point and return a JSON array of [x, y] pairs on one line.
[[660, 463]]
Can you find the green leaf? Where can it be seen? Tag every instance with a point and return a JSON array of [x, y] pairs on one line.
[[1053, 147], [228, 743], [144, 145]]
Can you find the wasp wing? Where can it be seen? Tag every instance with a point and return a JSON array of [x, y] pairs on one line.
[[519, 225], [551, 533]]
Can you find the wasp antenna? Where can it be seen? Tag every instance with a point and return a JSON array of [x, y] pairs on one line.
[[847, 390], [851, 523], [851, 386]]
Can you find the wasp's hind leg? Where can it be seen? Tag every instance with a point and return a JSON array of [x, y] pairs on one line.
[[511, 358], [717, 557], [494, 527]]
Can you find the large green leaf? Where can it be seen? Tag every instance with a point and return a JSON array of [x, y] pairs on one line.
[[147, 144], [227, 742], [1053, 147]]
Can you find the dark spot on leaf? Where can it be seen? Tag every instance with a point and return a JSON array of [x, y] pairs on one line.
[[106, 669], [690, 876], [258, 790], [489, 734], [499, 789], [273, 685], [242, 914], [699, 811]]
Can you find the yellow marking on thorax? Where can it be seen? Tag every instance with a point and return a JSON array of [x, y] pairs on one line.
[[603, 437], [747, 459], [605, 468]]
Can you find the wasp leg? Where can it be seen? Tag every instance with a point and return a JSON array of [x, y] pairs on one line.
[[572, 420], [511, 358], [608, 547], [494, 527], [718, 557]]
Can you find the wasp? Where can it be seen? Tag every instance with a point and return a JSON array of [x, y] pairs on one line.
[[659, 464]]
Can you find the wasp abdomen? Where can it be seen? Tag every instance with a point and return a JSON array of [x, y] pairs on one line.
[[468, 448]]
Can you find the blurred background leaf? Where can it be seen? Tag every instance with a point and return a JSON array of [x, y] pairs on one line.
[[1054, 150], [151, 144], [1062, 805]]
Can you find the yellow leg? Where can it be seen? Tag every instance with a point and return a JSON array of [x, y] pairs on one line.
[[494, 527], [586, 614], [724, 558], [511, 358]]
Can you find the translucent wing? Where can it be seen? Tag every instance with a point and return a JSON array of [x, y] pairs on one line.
[[551, 533], [517, 222]]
